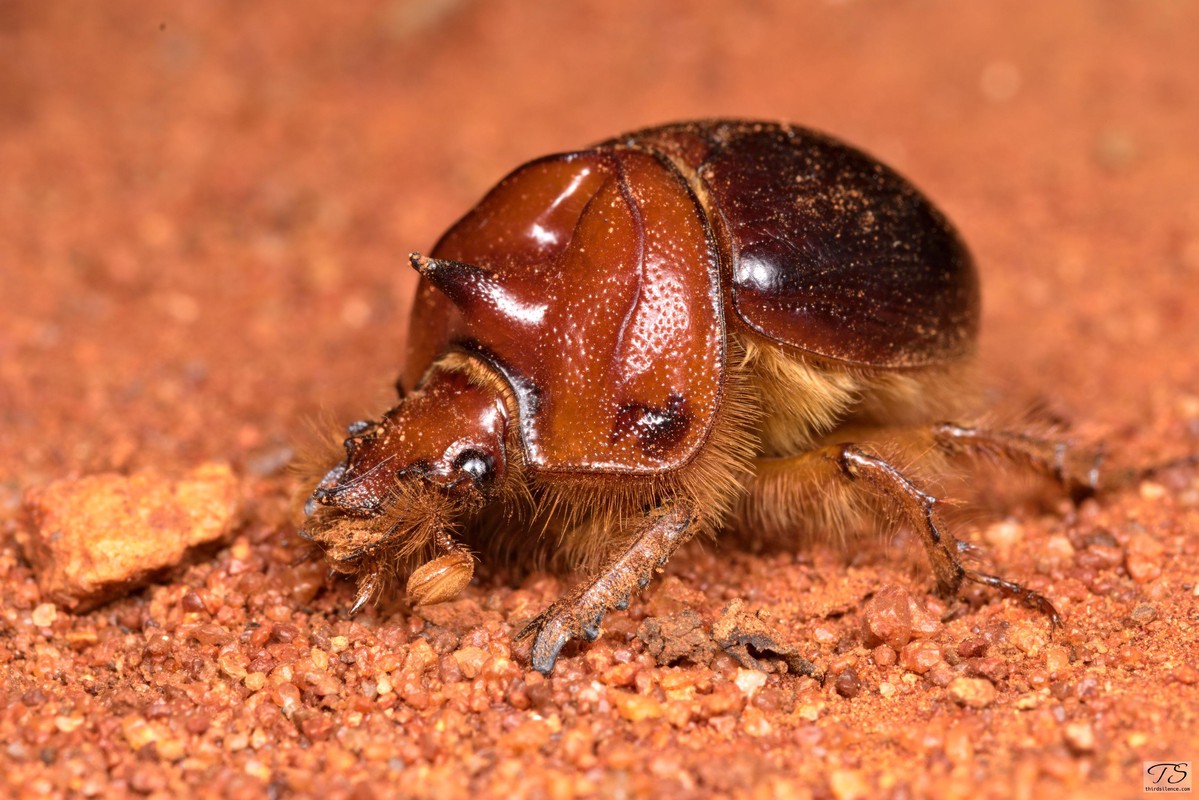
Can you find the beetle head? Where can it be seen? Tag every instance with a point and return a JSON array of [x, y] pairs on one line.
[[407, 479]]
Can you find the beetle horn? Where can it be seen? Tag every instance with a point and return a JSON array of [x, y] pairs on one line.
[[478, 291], [458, 281]]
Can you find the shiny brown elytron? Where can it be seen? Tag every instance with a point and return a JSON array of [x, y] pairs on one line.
[[682, 330]]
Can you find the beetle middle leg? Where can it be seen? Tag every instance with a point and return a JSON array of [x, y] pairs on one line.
[[581, 611], [849, 467]]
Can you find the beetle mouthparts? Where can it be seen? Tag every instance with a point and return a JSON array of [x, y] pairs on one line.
[[442, 578]]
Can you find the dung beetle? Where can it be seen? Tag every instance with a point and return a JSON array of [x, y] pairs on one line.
[[691, 328]]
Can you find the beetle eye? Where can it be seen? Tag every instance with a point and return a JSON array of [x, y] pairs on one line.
[[360, 427], [476, 464]]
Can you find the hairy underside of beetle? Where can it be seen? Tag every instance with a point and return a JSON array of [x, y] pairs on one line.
[[767, 469], [800, 447]]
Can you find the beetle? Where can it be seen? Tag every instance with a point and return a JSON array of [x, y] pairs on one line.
[[689, 328]]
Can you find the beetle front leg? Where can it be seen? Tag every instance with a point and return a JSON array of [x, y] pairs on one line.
[[581, 612]]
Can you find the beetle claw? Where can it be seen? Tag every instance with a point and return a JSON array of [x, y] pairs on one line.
[[366, 590], [551, 635], [361, 601], [556, 626]]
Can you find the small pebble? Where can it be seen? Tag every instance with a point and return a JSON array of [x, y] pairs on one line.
[[972, 692], [883, 656], [1151, 491], [527, 737], [849, 784], [1079, 737], [1143, 557], [1004, 534], [749, 681], [1057, 658], [754, 723], [941, 675], [920, 656], [1143, 614], [138, 733], [67, 724], [1028, 638], [1186, 674], [44, 615], [636, 707], [471, 661], [233, 664], [1059, 548], [888, 617], [848, 684], [973, 647]]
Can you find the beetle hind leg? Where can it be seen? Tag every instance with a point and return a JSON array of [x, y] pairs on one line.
[[1076, 471]]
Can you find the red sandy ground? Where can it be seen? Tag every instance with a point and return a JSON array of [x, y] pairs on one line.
[[204, 209]]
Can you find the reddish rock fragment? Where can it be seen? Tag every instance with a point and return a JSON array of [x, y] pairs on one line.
[[96, 538], [1079, 737], [883, 656], [1186, 674], [636, 707], [888, 618], [471, 661]]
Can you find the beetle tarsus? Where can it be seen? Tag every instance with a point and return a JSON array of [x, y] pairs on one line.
[[1030, 598], [853, 464]]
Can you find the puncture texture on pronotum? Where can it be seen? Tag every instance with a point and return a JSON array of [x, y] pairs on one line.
[[691, 328]]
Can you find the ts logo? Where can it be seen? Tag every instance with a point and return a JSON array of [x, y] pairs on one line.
[[1167, 776]]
